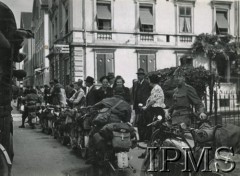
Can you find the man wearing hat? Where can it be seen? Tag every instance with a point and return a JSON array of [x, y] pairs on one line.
[[91, 93], [141, 91], [183, 97]]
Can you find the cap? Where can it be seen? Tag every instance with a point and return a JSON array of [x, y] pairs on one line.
[[141, 71]]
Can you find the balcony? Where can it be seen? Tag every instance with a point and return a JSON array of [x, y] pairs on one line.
[[185, 39], [146, 37], [104, 36]]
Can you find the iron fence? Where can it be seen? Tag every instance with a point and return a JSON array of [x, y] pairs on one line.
[[226, 108]]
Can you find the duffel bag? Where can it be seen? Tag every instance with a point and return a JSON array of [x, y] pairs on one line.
[[205, 133], [228, 135], [107, 130], [121, 141], [103, 117]]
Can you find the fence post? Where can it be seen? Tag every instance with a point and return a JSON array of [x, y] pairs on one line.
[[215, 107]]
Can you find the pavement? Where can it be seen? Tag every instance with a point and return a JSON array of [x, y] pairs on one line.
[[38, 154]]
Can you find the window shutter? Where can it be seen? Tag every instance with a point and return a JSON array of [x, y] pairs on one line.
[[104, 11], [146, 15], [100, 65], [109, 63], [143, 62], [151, 62]]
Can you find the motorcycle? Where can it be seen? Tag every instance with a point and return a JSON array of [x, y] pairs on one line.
[[48, 116], [113, 144], [79, 134], [177, 137], [5, 161], [64, 125], [32, 116], [46, 113]]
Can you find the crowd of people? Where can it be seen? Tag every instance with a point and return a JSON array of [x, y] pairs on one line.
[[147, 97]]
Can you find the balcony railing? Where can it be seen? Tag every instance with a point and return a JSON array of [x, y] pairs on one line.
[[185, 39], [146, 37], [104, 36]]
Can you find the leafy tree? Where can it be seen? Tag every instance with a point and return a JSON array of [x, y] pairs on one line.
[[212, 46], [199, 77]]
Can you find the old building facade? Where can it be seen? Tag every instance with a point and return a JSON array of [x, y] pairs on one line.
[[40, 22], [120, 36], [25, 23]]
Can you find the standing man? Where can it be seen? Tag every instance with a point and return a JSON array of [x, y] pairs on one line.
[[91, 93], [184, 97], [141, 92]]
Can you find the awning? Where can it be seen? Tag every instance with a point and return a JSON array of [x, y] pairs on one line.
[[222, 21], [104, 12], [146, 17]]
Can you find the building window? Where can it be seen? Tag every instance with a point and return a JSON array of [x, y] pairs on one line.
[[147, 62], [221, 22], [104, 16], [104, 64], [185, 19], [146, 20], [186, 61]]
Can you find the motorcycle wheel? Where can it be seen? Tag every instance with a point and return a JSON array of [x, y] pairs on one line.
[[5, 170]]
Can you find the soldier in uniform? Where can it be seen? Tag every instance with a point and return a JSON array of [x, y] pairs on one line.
[[183, 97]]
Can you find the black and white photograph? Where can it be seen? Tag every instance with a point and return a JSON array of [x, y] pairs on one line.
[[119, 87]]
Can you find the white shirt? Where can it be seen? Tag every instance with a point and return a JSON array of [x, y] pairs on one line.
[[156, 95]]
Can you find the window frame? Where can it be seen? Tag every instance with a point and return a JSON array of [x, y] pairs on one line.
[[218, 5], [110, 3], [191, 4], [147, 53], [216, 26], [147, 4], [185, 16]]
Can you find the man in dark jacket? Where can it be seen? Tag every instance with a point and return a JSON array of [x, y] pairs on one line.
[[91, 93], [141, 92], [120, 113]]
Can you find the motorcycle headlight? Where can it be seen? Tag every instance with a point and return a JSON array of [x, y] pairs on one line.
[[159, 117]]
